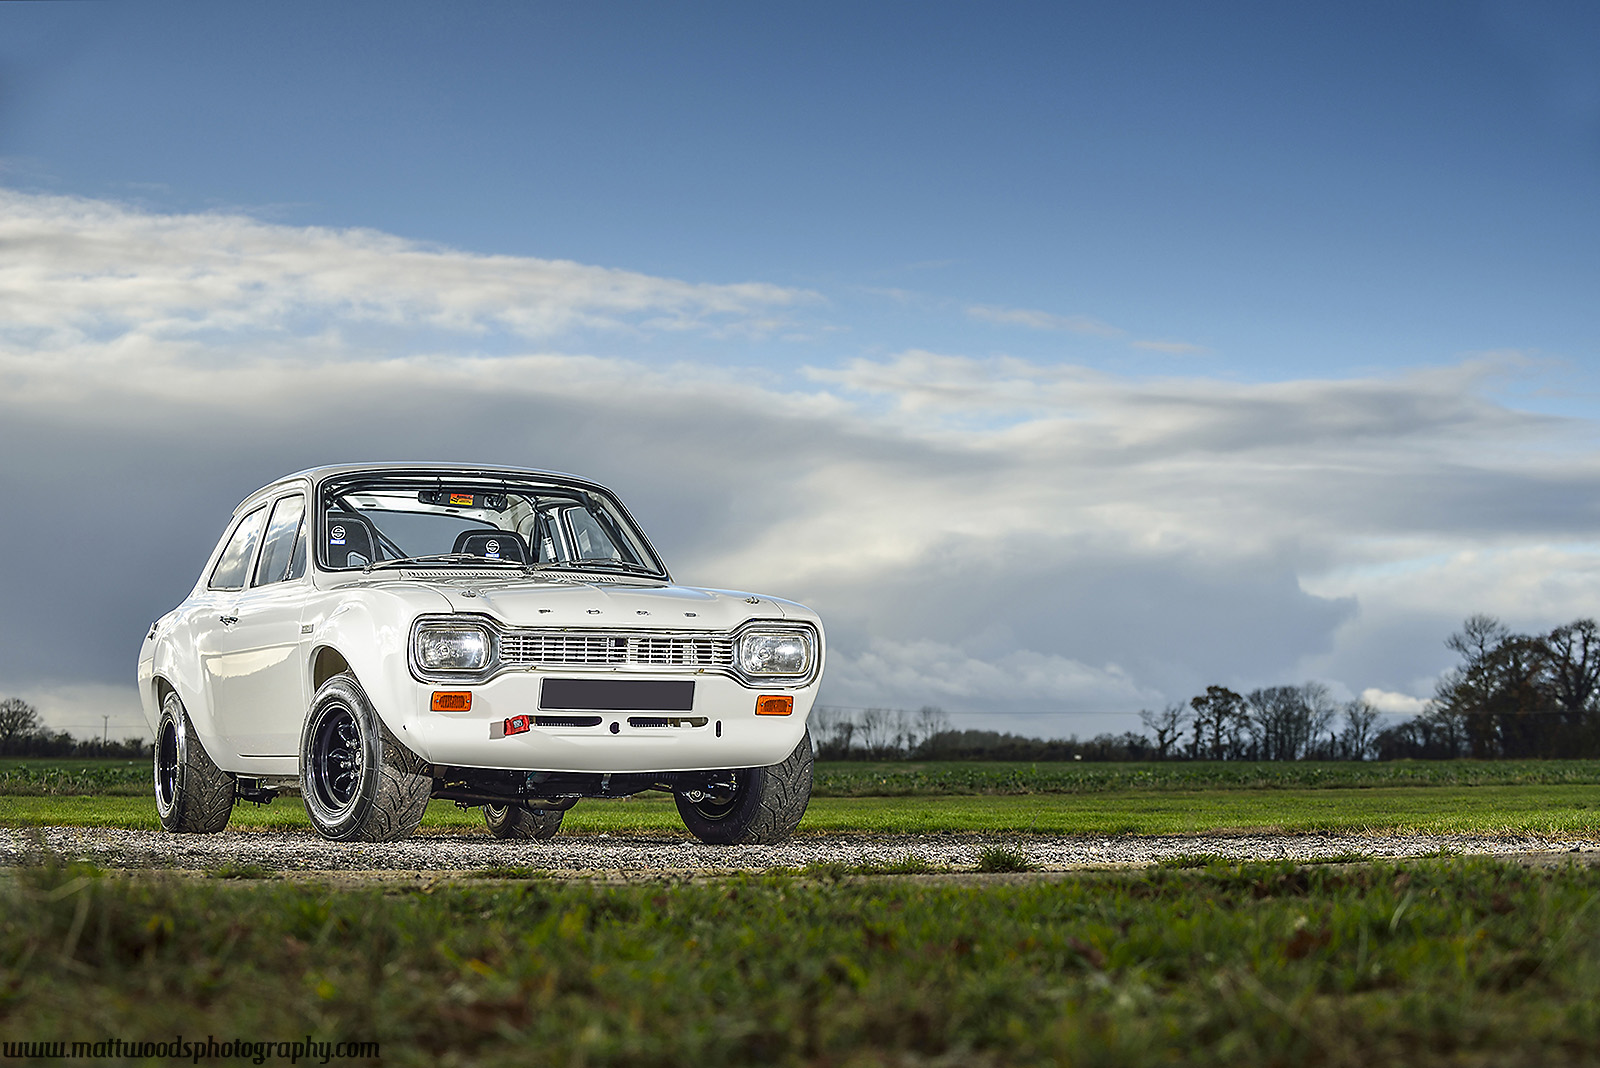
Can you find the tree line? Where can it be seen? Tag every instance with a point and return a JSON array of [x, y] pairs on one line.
[[23, 734], [1512, 695], [1274, 723]]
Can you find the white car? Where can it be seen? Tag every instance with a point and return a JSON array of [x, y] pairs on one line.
[[373, 636]]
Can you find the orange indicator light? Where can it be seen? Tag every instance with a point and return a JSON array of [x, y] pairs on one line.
[[452, 701], [774, 706]]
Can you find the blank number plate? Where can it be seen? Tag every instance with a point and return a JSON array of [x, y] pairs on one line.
[[616, 695]]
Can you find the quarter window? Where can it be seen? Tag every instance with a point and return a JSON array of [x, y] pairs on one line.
[[282, 553], [241, 549]]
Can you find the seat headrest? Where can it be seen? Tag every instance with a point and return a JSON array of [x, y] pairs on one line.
[[492, 544], [348, 540]]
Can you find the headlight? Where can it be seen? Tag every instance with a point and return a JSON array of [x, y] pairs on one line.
[[453, 648], [774, 653]]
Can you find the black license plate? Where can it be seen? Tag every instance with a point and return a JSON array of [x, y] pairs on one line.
[[616, 695]]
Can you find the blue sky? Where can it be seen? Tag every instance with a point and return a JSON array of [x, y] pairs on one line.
[[1297, 189], [1148, 260]]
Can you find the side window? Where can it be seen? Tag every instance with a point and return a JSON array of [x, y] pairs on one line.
[[283, 542], [235, 562]]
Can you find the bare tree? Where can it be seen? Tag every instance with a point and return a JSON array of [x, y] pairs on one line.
[[902, 732], [1320, 710], [18, 720], [834, 732], [875, 728], [931, 722], [1357, 740], [1167, 725]]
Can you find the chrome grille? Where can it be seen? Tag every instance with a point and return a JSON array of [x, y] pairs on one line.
[[683, 652]]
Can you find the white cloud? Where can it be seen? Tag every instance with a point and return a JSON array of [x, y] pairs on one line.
[[1034, 319], [1397, 703], [1171, 348], [1042, 320], [78, 270]]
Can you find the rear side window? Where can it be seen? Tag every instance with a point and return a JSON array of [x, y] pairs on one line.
[[235, 563], [282, 548]]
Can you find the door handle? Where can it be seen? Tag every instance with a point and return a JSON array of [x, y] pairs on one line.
[[228, 621]]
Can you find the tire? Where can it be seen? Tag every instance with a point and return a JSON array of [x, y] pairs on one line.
[[193, 795], [763, 807], [519, 821], [359, 783]]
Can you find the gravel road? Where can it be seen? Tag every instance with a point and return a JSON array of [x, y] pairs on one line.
[[642, 855]]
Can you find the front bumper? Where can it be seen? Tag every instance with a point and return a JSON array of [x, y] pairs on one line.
[[720, 730]]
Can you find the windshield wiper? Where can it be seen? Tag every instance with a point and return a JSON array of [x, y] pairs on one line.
[[439, 558], [599, 565]]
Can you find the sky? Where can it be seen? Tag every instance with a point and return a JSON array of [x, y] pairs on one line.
[[1067, 358]]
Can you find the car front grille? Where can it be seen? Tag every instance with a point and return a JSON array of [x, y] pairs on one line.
[[660, 652]]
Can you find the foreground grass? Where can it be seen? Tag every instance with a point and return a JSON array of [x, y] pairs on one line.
[[1464, 961], [1545, 810]]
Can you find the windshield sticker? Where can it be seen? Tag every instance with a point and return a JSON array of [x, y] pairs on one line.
[[491, 549]]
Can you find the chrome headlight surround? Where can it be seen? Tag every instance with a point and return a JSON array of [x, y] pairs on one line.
[[769, 653], [453, 649]]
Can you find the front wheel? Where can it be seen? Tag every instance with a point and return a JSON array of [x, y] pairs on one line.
[[752, 806], [519, 821], [359, 783], [193, 795]]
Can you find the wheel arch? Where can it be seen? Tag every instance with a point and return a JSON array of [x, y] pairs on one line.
[[372, 651], [325, 663]]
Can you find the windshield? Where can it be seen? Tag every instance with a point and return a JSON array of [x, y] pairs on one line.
[[473, 520]]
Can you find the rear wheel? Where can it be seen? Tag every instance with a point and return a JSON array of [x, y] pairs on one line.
[[751, 806], [193, 795], [359, 783], [518, 821]]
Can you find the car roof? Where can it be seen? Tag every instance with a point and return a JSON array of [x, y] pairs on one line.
[[317, 475]]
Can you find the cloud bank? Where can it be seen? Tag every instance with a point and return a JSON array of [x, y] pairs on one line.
[[1030, 545]]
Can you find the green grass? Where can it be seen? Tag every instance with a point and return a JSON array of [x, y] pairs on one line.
[[56, 775], [900, 779], [50, 776], [1431, 963], [1001, 859], [1549, 810]]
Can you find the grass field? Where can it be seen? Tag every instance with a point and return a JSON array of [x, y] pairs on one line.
[[1550, 810], [903, 778], [1432, 963], [932, 779]]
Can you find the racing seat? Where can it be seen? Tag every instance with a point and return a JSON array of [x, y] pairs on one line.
[[492, 543], [348, 540]]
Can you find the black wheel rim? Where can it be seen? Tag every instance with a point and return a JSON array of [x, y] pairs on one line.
[[336, 757], [718, 803], [167, 764]]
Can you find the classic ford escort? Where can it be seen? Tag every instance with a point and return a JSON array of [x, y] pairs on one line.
[[375, 636]]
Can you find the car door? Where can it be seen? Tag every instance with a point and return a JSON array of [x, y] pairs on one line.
[[256, 667]]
